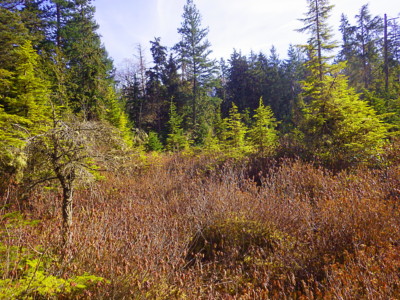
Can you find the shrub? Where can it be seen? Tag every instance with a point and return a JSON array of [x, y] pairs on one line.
[[234, 238], [24, 273]]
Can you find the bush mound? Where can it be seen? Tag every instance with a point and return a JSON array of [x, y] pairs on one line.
[[233, 238]]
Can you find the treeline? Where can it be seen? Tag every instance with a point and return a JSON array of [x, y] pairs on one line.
[[54, 67], [204, 90]]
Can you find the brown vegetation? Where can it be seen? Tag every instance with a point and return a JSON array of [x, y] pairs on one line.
[[192, 227]]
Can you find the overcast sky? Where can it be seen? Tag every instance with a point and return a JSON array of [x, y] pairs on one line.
[[241, 24]]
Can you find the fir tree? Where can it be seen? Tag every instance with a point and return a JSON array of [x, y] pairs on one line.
[[338, 127], [263, 133], [234, 135], [197, 67], [176, 139], [320, 41]]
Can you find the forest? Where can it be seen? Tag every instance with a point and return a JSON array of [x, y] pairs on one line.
[[248, 177]]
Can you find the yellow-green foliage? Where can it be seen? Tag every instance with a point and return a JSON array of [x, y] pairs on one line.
[[117, 117], [35, 282], [24, 272], [339, 126], [263, 133], [234, 134], [24, 105]]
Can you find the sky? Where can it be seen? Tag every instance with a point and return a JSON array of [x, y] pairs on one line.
[[245, 25]]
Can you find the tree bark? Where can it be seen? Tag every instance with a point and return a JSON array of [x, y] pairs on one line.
[[67, 213]]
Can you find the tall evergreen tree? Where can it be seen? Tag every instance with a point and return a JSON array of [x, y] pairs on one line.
[[238, 82], [293, 74], [24, 94], [368, 44], [156, 91], [197, 67], [90, 69], [320, 41], [337, 126]]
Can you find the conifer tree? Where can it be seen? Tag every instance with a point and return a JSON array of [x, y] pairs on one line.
[[90, 69], [337, 127], [263, 133], [176, 139], [340, 128], [234, 135], [197, 68], [24, 104], [156, 90], [320, 40], [238, 83], [368, 38]]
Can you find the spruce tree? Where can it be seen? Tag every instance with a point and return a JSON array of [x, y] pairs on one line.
[[320, 40], [263, 133], [90, 69], [234, 134], [340, 128], [337, 126], [368, 45], [197, 67], [176, 140], [24, 105]]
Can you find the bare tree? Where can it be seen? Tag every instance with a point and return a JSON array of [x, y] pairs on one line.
[[70, 153]]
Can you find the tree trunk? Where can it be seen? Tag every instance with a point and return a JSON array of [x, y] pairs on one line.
[[67, 213]]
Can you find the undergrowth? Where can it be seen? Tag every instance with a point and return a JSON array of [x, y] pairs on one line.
[[186, 227]]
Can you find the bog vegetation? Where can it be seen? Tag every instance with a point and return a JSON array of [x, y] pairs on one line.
[[252, 178]]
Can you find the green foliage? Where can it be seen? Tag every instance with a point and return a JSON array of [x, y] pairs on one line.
[[198, 68], [35, 282], [176, 139], [338, 126], [263, 133], [320, 41], [24, 106], [153, 142], [117, 117], [27, 94], [12, 33], [24, 273], [234, 135]]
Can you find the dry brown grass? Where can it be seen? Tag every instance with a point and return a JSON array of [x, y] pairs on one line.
[[297, 232]]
